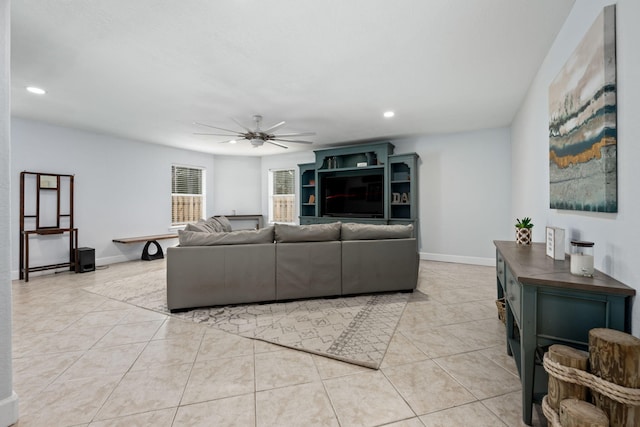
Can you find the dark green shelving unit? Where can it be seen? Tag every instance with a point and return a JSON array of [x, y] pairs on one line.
[[399, 187]]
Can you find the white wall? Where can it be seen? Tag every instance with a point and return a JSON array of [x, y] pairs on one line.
[[8, 399], [122, 187], [237, 186], [616, 236], [464, 194]]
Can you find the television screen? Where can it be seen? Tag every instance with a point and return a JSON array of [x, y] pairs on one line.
[[359, 196]]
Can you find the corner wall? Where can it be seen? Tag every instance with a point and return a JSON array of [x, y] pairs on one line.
[[465, 194], [616, 236], [8, 399]]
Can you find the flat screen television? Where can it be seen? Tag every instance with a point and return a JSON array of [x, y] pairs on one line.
[[353, 196]]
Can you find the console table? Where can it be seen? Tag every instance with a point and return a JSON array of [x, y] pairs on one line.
[[25, 269], [546, 304]]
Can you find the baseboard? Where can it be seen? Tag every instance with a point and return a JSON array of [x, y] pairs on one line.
[[9, 410], [458, 259]]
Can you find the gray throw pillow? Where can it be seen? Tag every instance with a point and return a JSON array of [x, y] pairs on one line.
[[240, 237], [307, 233], [353, 231], [213, 225], [224, 222], [198, 226]]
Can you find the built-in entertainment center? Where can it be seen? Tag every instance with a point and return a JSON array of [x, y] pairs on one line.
[[360, 183]]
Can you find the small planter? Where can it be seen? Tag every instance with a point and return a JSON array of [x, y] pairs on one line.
[[523, 236], [523, 231]]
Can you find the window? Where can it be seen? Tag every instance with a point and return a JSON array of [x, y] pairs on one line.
[[187, 194], [282, 195]]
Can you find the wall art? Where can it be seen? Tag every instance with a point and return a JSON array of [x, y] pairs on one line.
[[582, 124]]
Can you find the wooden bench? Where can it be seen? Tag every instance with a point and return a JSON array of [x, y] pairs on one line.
[[151, 240]]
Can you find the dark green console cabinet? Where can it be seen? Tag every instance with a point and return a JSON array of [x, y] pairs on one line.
[[360, 183], [546, 304]]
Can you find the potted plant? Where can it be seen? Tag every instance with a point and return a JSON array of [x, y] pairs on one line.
[[523, 231]]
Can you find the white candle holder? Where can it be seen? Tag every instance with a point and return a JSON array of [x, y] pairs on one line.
[[582, 258]]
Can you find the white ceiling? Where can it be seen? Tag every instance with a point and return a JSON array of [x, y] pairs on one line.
[[147, 69]]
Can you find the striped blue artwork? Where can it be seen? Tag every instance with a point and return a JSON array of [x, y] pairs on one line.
[[582, 124]]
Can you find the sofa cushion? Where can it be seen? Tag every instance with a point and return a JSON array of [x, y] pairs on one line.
[[353, 231], [307, 233], [239, 237]]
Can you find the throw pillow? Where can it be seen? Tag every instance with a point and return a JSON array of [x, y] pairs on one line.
[[213, 225], [224, 222], [353, 231], [240, 237], [286, 233], [198, 226]]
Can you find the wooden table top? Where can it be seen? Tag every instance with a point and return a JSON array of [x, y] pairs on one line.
[[531, 265]]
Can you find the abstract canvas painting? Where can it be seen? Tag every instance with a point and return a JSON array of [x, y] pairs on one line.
[[582, 124]]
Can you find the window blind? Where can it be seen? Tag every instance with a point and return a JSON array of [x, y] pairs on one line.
[[186, 180], [187, 198], [283, 182]]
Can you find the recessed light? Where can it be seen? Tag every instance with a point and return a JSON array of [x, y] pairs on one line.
[[233, 141], [36, 90], [389, 114]]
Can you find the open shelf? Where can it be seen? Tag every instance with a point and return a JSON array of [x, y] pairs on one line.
[[402, 178]]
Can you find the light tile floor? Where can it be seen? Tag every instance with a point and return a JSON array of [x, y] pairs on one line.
[[81, 359]]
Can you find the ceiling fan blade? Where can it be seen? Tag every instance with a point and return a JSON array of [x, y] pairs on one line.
[[257, 135], [214, 127], [216, 134], [275, 143], [291, 140], [288, 135], [241, 125], [274, 127]]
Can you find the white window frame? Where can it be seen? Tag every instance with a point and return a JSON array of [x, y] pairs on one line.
[[203, 195], [293, 195]]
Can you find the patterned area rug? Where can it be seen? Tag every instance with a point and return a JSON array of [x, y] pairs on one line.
[[352, 329]]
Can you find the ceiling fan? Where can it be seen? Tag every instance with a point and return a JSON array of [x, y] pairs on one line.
[[257, 137]]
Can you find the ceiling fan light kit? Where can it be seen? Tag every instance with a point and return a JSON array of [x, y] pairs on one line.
[[257, 137]]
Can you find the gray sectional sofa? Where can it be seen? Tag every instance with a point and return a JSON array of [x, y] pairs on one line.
[[285, 262]]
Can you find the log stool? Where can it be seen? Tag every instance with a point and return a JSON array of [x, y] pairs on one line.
[[614, 356], [578, 413]]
